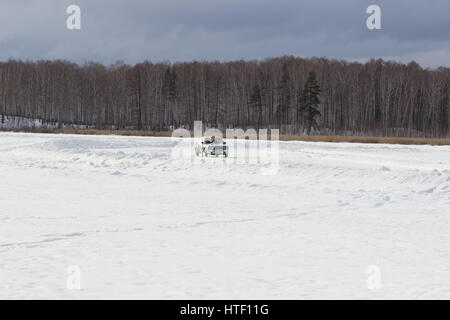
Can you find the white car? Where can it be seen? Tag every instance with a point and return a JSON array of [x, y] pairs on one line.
[[211, 146]]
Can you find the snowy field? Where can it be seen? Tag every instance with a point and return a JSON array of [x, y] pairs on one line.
[[139, 224]]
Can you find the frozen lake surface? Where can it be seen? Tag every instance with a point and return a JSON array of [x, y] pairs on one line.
[[138, 223]]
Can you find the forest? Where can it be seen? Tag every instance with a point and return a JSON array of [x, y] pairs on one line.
[[377, 98]]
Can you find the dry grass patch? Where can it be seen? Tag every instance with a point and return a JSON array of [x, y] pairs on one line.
[[353, 139], [386, 140]]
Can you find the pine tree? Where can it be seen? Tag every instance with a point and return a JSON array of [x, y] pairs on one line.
[[284, 97], [309, 102], [256, 103], [169, 93], [169, 89]]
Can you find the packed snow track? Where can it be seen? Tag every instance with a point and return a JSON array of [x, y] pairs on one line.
[[122, 217]]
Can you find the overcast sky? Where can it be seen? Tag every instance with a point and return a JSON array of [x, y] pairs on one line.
[[186, 30]]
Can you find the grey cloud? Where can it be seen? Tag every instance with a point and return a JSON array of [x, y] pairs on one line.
[[180, 30]]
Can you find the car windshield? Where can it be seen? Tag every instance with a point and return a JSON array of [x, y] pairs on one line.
[[209, 140]]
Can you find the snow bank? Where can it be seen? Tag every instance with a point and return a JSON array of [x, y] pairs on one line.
[[12, 122]]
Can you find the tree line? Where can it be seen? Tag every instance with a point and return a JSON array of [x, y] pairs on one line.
[[381, 98]]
